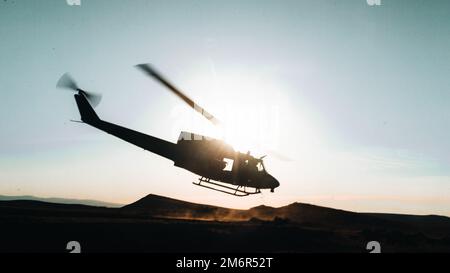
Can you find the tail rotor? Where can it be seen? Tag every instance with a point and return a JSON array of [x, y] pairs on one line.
[[67, 82]]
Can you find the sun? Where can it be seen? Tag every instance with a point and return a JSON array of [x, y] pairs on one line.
[[249, 105]]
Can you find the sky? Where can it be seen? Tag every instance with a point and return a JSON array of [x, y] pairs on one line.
[[356, 95]]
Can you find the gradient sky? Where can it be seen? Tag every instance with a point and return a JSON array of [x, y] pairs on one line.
[[357, 95]]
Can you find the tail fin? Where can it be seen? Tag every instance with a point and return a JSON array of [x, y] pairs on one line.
[[87, 113]]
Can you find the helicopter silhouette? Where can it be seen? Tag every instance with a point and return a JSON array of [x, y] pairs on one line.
[[219, 166]]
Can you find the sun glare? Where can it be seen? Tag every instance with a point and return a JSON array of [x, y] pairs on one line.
[[249, 107]]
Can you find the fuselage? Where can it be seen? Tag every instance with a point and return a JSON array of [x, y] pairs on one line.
[[215, 159], [207, 157]]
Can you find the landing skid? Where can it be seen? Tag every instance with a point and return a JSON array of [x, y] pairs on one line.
[[236, 191]]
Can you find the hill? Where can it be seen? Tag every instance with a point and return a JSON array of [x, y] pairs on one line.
[[161, 224], [88, 202]]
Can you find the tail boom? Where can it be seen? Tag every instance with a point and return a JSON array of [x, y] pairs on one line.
[[153, 144]]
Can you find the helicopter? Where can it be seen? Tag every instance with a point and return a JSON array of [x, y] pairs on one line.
[[219, 166]]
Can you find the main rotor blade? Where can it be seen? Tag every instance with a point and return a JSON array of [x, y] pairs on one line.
[[278, 155], [146, 68]]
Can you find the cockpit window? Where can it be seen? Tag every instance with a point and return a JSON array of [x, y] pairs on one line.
[[260, 167]]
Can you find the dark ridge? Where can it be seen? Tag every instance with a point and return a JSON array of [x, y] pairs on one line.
[[88, 202], [161, 224]]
